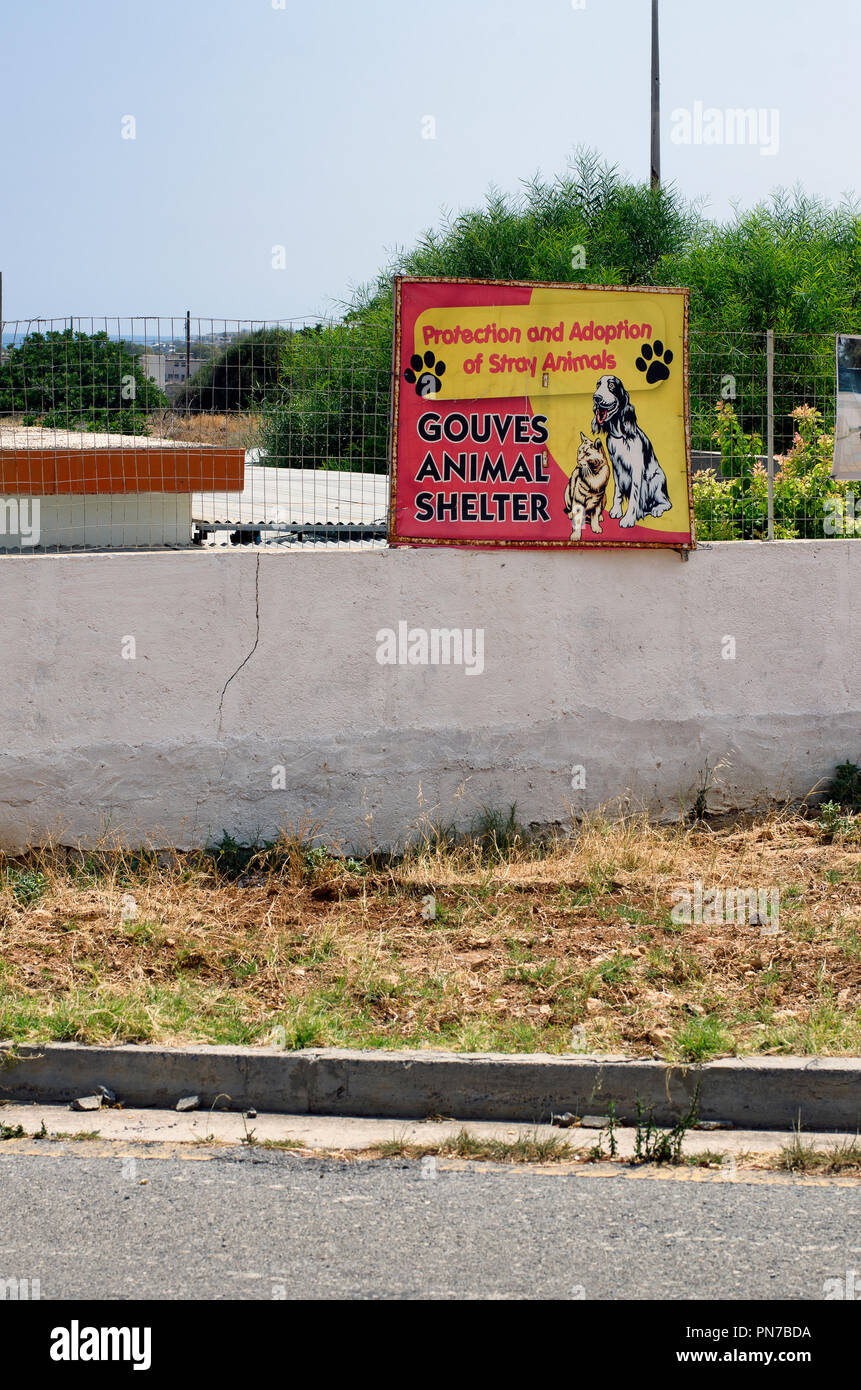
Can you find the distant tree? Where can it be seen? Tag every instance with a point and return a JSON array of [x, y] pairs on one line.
[[73, 380], [624, 229], [792, 264], [331, 409], [238, 377], [332, 406]]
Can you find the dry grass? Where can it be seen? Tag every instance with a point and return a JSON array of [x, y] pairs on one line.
[[233, 431], [526, 1148], [841, 1159], [569, 947]]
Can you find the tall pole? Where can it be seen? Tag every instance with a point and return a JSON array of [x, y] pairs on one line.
[[187, 356], [656, 100], [769, 388]]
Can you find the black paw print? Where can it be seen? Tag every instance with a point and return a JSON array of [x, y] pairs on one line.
[[655, 364], [424, 373]]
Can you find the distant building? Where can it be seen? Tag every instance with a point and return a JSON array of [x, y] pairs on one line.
[[168, 368]]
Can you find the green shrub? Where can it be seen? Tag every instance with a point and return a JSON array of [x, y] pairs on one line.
[[331, 408], [808, 502], [845, 788], [834, 821], [239, 378], [27, 885], [78, 381], [792, 264]]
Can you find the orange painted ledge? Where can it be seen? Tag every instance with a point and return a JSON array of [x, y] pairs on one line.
[[47, 472]]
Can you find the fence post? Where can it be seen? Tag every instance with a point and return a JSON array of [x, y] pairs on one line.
[[769, 373], [188, 349]]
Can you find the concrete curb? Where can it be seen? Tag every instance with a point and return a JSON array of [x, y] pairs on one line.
[[752, 1093]]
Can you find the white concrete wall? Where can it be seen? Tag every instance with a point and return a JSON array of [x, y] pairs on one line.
[[247, 660], [97, 519]]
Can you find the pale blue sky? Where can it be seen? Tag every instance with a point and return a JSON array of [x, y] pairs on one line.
[[302, 127]]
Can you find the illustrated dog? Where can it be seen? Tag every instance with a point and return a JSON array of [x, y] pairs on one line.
[[638, 477]]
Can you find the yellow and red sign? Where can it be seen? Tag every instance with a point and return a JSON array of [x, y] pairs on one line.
[[540, 415]]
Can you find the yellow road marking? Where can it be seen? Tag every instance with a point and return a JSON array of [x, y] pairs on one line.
[[105, 1148], [655, 1173], [203, 1153]]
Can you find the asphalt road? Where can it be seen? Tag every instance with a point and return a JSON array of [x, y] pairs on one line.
[[251, 1224]]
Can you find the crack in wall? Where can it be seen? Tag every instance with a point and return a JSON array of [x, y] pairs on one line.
[[253, 649]]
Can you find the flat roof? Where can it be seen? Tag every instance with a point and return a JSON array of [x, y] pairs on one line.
[[33, 437]]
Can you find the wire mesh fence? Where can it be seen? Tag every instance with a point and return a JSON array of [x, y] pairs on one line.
[[151, 432], [154, 432], [732, 411]]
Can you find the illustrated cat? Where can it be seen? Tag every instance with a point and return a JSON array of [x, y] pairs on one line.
[[587, 487]]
